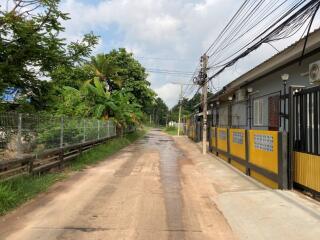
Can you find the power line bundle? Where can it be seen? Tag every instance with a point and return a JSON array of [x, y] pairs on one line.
[[255, 23], [169, 72]]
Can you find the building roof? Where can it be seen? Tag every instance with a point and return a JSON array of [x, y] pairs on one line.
[[287, 56]]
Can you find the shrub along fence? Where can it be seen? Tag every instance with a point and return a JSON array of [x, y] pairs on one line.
[[257, 153], [36, 143]]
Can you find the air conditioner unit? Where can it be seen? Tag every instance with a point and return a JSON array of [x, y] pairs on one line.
[[241, 95], [314, 72]]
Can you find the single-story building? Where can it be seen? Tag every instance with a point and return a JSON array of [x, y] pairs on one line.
[[266, 122]]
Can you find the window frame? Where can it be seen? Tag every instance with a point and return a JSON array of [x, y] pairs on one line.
[[258, 112]]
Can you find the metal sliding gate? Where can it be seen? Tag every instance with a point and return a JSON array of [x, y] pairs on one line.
[[305, 136]]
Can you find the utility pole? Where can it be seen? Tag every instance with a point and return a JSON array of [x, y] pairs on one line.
[[205, 105], [180, 102], [202, 81], [180, 108]]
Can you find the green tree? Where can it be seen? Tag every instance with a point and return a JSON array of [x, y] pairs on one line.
[[133, 77], [107, 71], [157, 112], [91, 100], [188, 107], [94, 100], [30, 47]]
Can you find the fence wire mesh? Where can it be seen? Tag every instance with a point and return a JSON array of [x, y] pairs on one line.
[[25, 134]]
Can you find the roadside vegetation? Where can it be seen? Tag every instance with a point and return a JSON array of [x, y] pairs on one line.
[[44, 73], [19, 190]]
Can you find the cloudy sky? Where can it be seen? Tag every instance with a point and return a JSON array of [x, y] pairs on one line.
[[163, 34]]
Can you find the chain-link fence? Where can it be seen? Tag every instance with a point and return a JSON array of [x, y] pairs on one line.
[[24, 134]]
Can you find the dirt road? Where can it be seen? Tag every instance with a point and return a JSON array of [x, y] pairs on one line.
[[149, 190]]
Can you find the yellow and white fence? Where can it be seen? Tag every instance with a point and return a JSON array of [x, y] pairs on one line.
[[259, 154]]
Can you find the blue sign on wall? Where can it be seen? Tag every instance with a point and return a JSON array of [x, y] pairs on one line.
[[9, 94]]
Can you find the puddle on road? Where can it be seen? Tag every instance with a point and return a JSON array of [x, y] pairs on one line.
[[170, 181]]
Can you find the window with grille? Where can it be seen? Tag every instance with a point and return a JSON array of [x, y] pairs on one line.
[[258, 112]]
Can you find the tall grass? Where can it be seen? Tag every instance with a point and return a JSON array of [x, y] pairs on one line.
[[17, 191]]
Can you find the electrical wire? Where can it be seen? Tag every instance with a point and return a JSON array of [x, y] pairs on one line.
[[291, 7], [168, 72], [288, 25], [164, 59]]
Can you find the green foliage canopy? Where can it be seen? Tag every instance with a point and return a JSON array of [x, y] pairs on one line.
[[30, 46], [63, 78], [110, 94]]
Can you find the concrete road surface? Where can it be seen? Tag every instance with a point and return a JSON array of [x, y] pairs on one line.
[[164, 188], [149, 190]]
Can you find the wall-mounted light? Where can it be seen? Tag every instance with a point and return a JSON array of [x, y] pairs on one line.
[[250, 90], [218, 103], [230, 98], [285, 77]]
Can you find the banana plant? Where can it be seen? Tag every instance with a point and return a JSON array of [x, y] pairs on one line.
[[106, 71], [100, 98]]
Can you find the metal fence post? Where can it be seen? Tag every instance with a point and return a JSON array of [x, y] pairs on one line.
[[283, 160], [98, 129], [247, 144], [61, 132], [108, 133], [84, 130], [19, 136], [61, 154]]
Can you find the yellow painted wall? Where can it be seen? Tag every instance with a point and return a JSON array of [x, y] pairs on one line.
[[239, 166], [263, 149], [225, 158], [307, 170], [237, 149], [266, 181], [222, 143]]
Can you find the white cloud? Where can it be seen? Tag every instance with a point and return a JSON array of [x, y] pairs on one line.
[[169, 29], [170, 92], [180, 29]]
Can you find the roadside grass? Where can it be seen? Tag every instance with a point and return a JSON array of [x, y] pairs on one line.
[[16, 191], [99, 153], [171, 131]]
